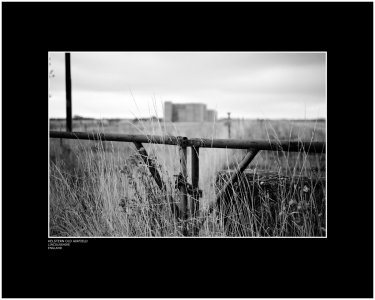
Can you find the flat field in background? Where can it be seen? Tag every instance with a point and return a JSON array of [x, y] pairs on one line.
[[102, 175]]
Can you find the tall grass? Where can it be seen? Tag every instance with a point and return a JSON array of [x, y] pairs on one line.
[[105, 189]]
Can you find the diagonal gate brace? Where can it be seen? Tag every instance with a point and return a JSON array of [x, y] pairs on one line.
[[156, 175], [221, 201]]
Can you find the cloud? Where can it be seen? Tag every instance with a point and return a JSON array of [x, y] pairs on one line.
[[215, 78]]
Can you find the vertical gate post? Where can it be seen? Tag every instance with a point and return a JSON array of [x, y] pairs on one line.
[[183, 189], [68, 86], [195, 186]]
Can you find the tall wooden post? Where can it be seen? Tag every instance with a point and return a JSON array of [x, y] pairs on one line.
[[68, 85]]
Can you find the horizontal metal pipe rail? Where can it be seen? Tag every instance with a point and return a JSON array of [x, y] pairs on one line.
[[294, 146]]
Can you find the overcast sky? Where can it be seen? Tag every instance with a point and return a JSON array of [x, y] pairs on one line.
[[135, 84]]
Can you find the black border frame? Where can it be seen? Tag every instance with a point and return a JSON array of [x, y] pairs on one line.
[[339, 266]]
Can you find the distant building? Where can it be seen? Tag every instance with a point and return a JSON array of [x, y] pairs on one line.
[[210, 115], [168, 111], [188, 112]]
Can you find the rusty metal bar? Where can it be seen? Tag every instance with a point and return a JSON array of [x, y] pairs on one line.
[[195, 180], [150, 164], [195, 186], [183, 188], [68, 86], [156, 175], [220, 200], [234, 177], [183, 168], [308, 147]]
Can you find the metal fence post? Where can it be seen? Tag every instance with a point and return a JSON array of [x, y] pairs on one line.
[[183, 189], [195, 186]]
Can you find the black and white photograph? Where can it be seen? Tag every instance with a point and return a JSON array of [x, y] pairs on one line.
[[187, 149], [187, 144]]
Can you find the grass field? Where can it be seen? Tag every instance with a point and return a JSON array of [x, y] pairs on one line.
[[105, 189]]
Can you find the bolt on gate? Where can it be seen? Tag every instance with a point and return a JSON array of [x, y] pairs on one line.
[[185, 189]]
